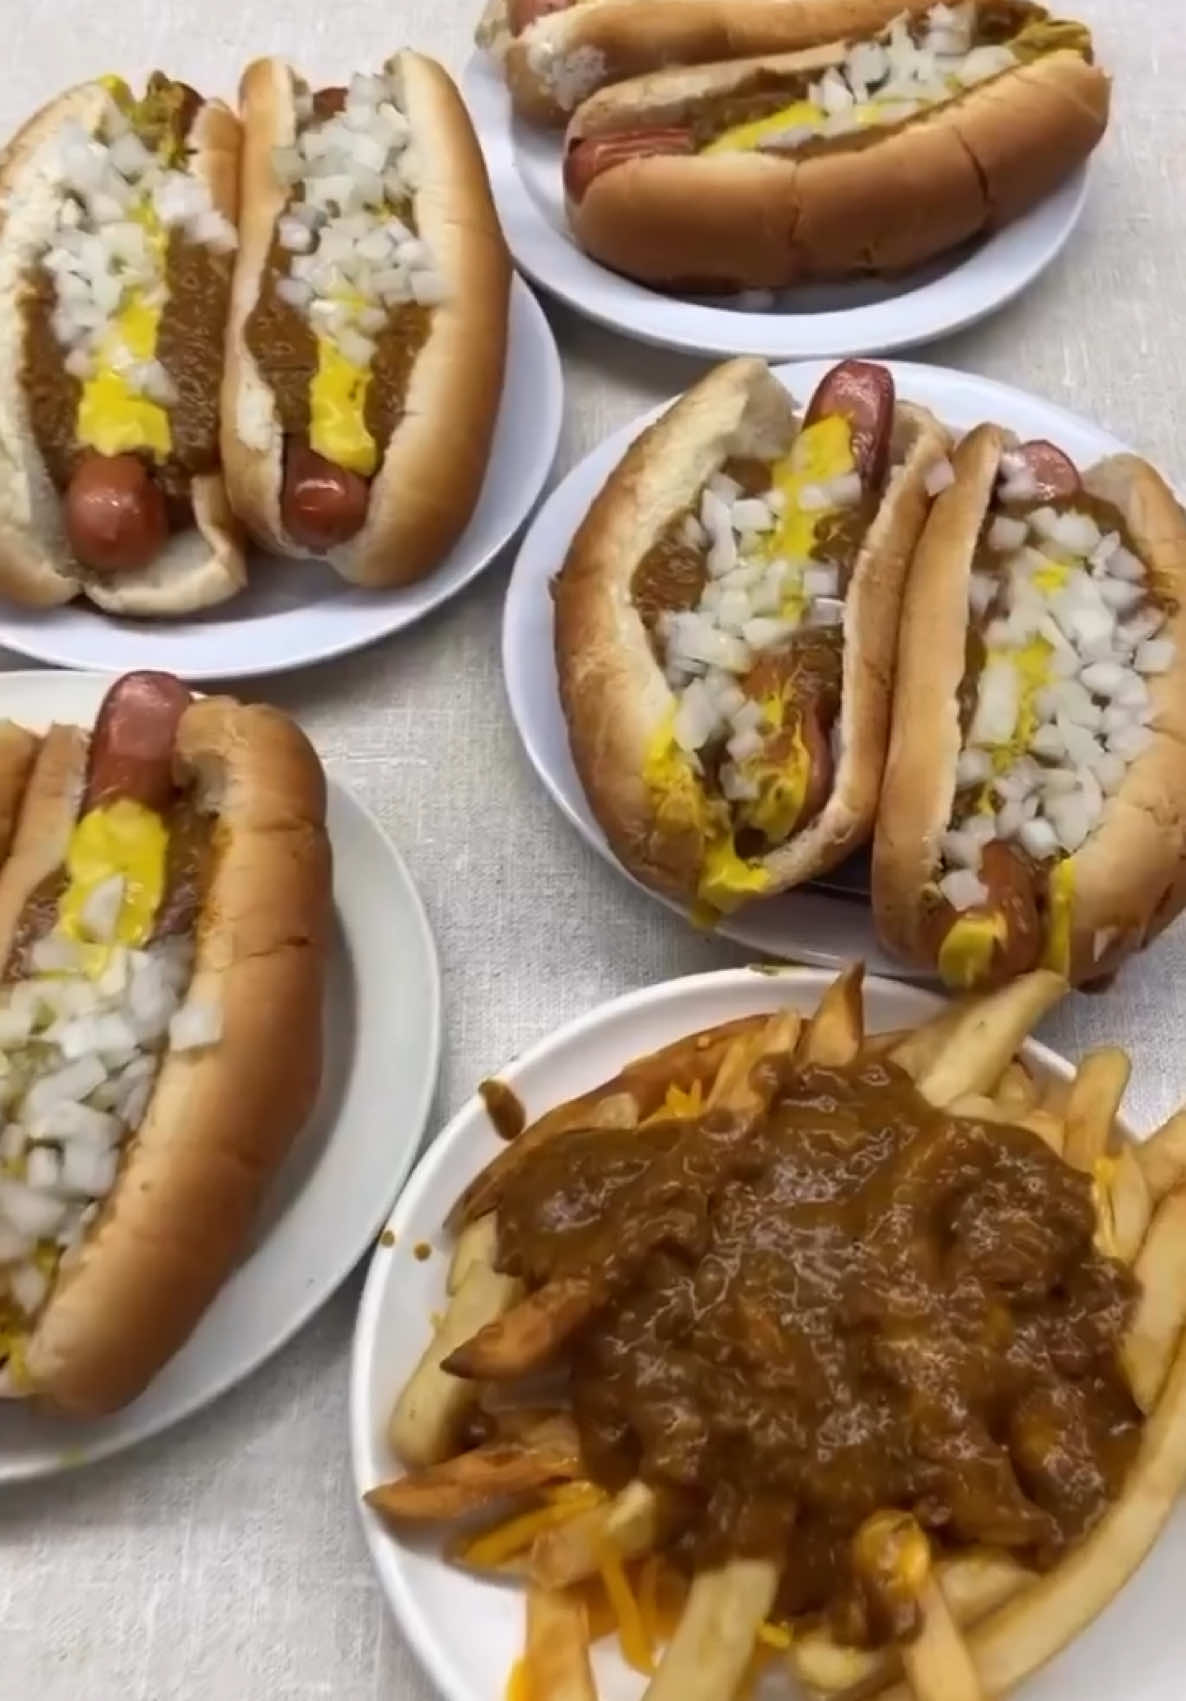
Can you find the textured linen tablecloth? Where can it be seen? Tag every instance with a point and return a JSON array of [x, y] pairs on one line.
[[224, 1561]]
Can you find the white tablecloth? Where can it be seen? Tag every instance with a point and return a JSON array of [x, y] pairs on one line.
[[224, 1562]]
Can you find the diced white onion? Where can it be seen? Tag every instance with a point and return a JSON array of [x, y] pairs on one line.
[[101, 909], [29, 1286], [89, 1171], [28, 1211], [973, 767], [963, 889], [1038, 839], [1005, 534]]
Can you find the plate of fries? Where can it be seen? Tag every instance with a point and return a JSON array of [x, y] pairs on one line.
[[599, 1376]]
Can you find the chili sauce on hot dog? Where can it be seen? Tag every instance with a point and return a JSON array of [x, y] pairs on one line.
[[124, 311]]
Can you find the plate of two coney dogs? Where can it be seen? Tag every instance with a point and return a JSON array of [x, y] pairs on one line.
[[786, 177], [202, 1037], [256, 327], [896, 676]]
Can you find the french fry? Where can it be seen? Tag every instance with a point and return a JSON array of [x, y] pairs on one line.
[[714, 1639], [733, 1089], [833, 1036], [1123, 1204], [978, 1107], [557, 1654], [1153, 1335], [918, 1047], [892, 1556], [631, 1524], [1047, 1127], [1163, 1155], [629, 1098], [981, 1042], [529, 1334], [1094, 1100], [1016, 1092], [431, 1409], [476, 1244], [973, 1585], [885, 1042], [1029, 1630], [475, 1478]]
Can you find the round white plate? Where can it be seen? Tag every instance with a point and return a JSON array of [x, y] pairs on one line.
[[868, 316], [806, 924], [294, 613], [327, 1203], [1134, 1649]]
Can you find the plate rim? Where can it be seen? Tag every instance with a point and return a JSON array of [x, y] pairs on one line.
[[393, 1579], [71, 1455], [796, 376], [138, 636], [545, 256]]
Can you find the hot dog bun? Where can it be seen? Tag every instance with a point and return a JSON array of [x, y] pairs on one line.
[[199, 565], [420, 498], [739, 220], [1129, 877], [220, 1118], [614, 692], [560, 59]]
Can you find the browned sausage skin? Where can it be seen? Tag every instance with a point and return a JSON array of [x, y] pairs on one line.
[[586, 160], [322, 505], [520, 13], [131, 749], [863, 394], [1047, 475], [116, 519]]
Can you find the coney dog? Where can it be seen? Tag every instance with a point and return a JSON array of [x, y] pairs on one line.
[[164, 913], [726, 624], [1032, 812], [116, 242], [870, 154], [368, 326], [555, 54]]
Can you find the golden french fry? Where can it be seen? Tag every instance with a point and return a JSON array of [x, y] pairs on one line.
[[473, 1479], [557, 1653], [833, 1036], [1163, 1155], [529, 1334], [1094, 1100], [1029, 1630], [630, 1525], [1047, 1127], [476, 1244], [980, 1045], [431, 1409], [733, 1089], [629, 1098], [708, 1655], [1055, 1093], [884, 1043], [1122, 1203], [892, 1556], [937, 1663], [973, 1585], [1016, 1092], [978, 1107], [1157, 1324], [918, 1047]]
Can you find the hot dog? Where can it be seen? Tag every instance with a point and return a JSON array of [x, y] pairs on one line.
[[116, 258], [869, 154], [555, 53], [369, 320], [1031, 812], [725, 628], [164, 913]]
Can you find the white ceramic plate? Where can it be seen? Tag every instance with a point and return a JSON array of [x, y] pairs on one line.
[[866, 316], [807, 924], [294, 613], [327, 1204], [1134, 1649]]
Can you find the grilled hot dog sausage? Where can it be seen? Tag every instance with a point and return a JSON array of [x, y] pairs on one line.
[[322, 505], [131, 750], [587, 159], [116, 520], [1055, 476], [863, 394], [520, 13], [1013, 899]]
